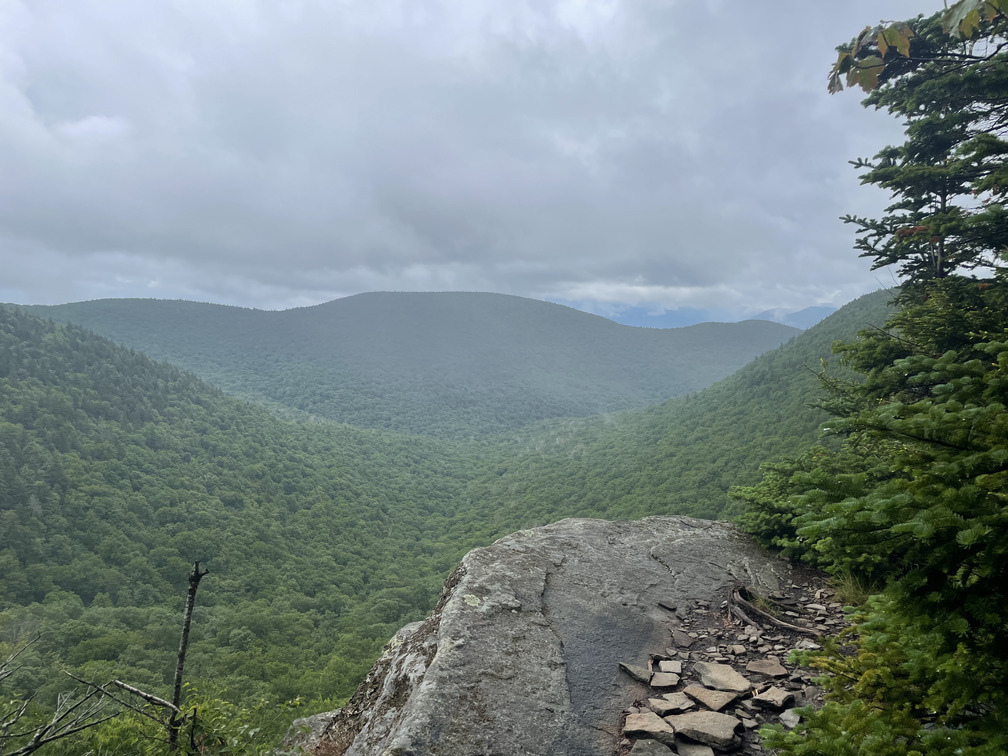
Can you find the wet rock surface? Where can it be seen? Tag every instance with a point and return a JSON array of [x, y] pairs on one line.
[[549, 641]]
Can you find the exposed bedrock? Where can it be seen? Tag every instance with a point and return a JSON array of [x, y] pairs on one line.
[[522, 654]]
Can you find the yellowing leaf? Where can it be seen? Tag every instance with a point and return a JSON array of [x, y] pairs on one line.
[[963, 18], [996, 8], [883, 46], [865, 73], [898, 36]]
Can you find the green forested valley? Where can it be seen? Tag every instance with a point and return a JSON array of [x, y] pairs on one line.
[[330, 465], [455, 365], [117, 472]]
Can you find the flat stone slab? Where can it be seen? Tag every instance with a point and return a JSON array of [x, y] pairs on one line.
[[774, 698], [707, 727], [637, 672], [674, 666], [680, 700], [768, 667], [650, 748], [664, 680], [649, 725], [693, 749], [715, 700], [671, 703], [721, 677], [681, 639], [790, 718]]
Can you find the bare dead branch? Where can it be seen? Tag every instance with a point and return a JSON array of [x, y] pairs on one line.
[[148, 697]]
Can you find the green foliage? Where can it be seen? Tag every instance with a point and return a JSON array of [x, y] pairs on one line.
[[893, 690], [210, 726], [680, 457], [916, 498], [947, 179], [452, 365], [921, 500], [116, 472]]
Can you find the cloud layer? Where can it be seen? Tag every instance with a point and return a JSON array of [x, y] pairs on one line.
[[662, 154]]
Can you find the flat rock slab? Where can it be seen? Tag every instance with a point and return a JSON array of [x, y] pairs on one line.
[[673, 666], [671, 703], [768, 667], [715, 700], [664, 680], [681, 638], [637, 672], [679, 699], [649, 725], [707, 727], [774, 698], [721, 677], [790, 718], [522, 653], [650, 748], [693, 749]]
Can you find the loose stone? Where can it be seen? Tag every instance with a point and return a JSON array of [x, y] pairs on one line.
[[663, 708], [774, 698], [769, 667], [715, 700], [680, 700], [721, 677], [646, 747], [693, 749], [649, 725], [789, 718], [670, 665], [664, 680], [708, 727], [681, 639], [637, 672]]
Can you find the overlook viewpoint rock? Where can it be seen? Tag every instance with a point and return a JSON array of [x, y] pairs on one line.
[[550, 640]]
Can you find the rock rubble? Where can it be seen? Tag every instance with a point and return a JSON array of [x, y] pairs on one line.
[[736, 676]]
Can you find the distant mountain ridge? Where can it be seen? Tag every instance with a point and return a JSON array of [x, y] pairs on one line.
[[805, 318], [443, 364], [680, 317]]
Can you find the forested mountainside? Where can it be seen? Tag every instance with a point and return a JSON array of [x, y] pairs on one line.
[[456, 365], [680, 457], [117, 472]]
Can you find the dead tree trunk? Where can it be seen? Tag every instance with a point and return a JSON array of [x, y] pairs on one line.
[[174, 723]]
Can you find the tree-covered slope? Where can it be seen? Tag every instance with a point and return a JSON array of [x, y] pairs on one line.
[[678, 457], [117, 472], [447, 364]]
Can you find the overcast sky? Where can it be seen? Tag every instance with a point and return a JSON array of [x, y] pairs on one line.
[[274, 153]]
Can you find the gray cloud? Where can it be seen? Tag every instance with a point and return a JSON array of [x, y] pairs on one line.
[[651, 153]]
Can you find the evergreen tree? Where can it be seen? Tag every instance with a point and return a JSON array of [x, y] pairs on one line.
[[946, 78], [917, 495]]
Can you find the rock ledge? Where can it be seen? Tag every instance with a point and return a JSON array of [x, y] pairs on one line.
[[522, 653]]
